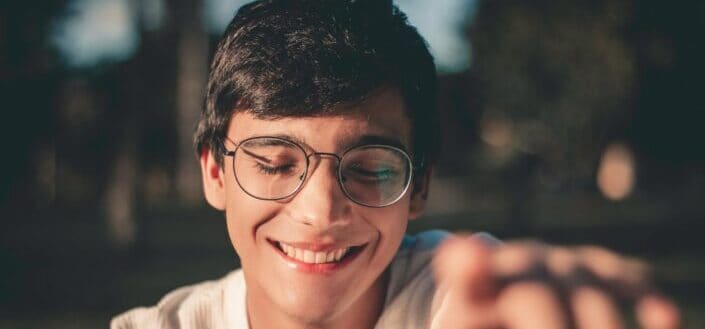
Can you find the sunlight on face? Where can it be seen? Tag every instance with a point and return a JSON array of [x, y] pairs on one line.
[[319, 217]]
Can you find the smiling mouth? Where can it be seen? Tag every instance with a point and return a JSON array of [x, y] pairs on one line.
[[306, 256]]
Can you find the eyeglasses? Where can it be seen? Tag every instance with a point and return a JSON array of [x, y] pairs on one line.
[[273, 168]]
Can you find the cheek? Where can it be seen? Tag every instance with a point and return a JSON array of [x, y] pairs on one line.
[[393, 222], [390, 223], [245, 215]]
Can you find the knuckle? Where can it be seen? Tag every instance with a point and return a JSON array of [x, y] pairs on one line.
[[530, 290], [516, 258], [561, 262]]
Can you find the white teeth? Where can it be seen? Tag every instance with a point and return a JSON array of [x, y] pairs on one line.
[[308, 256], [339, 254], [320, 257], [313, 257]]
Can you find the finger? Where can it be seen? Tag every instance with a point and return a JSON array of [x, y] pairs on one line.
[[519, 259], [451, 314], [656, 312], [526, 299], [627, 277], [561, 262], [531, 305], [462, 269], [465, 264], [594, 309]]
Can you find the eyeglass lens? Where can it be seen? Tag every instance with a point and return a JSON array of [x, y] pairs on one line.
[[273, 168]]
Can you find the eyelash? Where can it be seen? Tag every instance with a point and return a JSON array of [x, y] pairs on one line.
[[374, 175], [267, 170], [272, 170]]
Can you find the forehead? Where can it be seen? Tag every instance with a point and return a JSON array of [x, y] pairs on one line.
[[379, 118]]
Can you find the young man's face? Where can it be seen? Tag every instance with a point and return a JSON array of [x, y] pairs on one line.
[[319, 217]]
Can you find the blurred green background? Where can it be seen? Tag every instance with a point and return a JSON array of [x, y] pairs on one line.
[[572, 122]]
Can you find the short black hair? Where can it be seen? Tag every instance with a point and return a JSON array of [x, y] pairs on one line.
[[303, 58]]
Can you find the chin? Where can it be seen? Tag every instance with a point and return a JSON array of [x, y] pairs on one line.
[[314, 312], [312, 306]]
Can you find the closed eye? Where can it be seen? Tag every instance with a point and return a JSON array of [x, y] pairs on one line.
[[273, 170], [382, 174]]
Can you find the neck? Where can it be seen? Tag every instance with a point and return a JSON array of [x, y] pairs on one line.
[[363, 313]]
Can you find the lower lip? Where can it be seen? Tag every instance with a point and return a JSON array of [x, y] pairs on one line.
[[324, 268]]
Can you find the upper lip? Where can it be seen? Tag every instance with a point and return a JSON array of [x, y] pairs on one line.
[[316, 246]]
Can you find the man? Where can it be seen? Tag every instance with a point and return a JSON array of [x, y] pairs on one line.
[[317, 141]]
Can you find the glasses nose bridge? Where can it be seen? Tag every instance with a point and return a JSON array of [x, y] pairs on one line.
[[322, 155], [312, 166]]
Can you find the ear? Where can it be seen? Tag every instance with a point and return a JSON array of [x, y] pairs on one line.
[[213, 179], [419, 194]]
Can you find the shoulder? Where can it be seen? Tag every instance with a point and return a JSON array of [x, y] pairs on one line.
[[195, 306], [415, 253]]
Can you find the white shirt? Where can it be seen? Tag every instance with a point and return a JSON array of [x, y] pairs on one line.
[[220, 304]]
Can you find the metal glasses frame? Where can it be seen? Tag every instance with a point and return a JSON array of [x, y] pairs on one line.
[[339, 158]]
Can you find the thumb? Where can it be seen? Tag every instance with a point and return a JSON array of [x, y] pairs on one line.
[[465, 264], [466, 286]]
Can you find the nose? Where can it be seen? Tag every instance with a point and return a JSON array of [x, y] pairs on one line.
[[320, 202]]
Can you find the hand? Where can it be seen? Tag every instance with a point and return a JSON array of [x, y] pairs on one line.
[[527, 285]]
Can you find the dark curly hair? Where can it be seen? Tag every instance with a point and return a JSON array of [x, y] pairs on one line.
[[302, 58]]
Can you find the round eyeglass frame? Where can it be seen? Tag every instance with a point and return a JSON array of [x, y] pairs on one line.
[[339, 171]]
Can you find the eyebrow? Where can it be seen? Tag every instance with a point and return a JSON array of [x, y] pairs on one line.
[[277, 142]]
